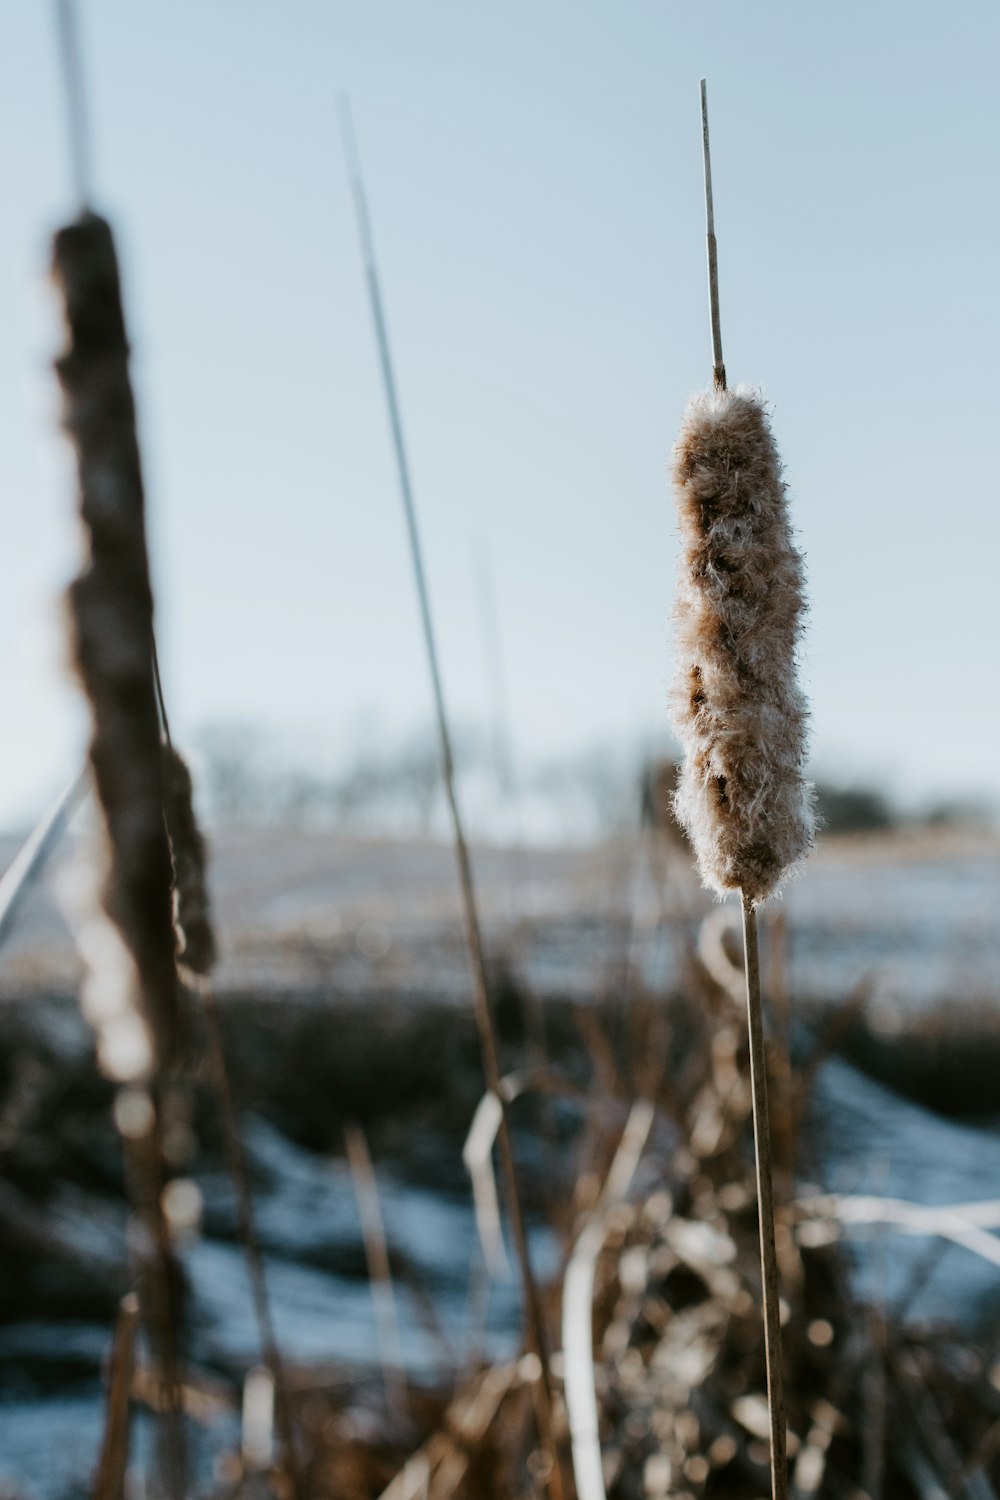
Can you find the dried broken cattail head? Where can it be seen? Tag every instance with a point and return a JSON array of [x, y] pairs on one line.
[[111, 621], [192, 910], [738, 709]]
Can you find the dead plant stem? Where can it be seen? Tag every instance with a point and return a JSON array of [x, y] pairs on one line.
[[110, 1481], [719, 371], [236, 1159], [379, 1271], [765, 1205], [473, 931]]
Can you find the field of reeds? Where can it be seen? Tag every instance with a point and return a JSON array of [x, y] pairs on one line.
[[337, 1167], [643, 1062]]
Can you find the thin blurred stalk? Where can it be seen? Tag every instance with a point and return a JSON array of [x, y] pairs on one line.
[[109, 1483], [379, 1270], [534, 1325], [765, 1205], [31, 858], [236, 1159]]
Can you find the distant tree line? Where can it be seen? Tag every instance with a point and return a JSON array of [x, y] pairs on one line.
[[393, 788]]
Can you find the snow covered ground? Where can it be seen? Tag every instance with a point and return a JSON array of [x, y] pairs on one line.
[[915, 914]]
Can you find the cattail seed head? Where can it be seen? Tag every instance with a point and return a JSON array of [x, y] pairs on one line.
[[737, 706], [110, 609], [192, 909]]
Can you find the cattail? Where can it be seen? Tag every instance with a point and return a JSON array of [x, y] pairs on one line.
[[742, 796], [740, 714], [192, 909], [111, 615], [131, 991]]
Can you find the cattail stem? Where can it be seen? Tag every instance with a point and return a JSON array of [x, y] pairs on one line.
[[74, 95], [158, 1276], [248, 1230], [376, 1247], [719, 371], [765, 1206], [534, 1326], [109, 1483]]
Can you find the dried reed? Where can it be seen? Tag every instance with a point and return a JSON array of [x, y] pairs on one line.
[[534, 1325], [741, 717], [131, 989], [111, 618], [390, 1343], [110, 1481], [196, 953]]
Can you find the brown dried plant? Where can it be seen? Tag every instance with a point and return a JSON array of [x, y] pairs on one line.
[[111, 621], [740, 713], [131, 993]]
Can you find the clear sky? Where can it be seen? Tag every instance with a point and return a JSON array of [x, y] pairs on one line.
[[534, 175]]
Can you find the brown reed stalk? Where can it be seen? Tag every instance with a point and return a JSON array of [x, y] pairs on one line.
[[236, 1159], [109, 1483], [196, 954], [131, 991], [742, 795], [719, 366], [380, 1281], [765, 1208], [482, 1004]]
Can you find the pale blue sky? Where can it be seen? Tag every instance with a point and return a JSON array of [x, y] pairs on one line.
[[535, 183]]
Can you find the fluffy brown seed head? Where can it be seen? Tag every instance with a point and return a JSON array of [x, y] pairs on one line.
[[737, 706], [192, 909], [111, 619]]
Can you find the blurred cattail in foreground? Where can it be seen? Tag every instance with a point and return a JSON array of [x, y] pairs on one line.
[[738, 709], [131, 992], [132, 980]]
